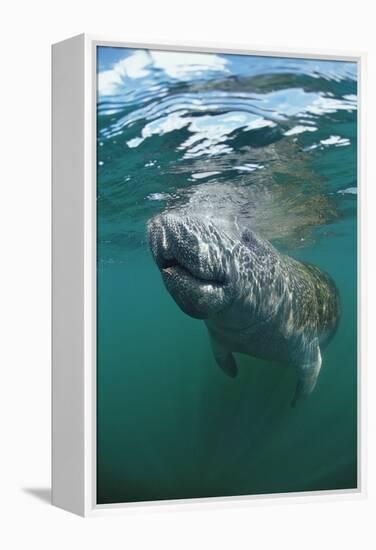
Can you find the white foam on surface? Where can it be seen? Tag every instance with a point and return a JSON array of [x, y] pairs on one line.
[[207, 131], [176, 65], [202, 175], [348, 191], [299, 130], [338, 141]]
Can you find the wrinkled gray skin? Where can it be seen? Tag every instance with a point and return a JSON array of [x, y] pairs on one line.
[[253, 299]]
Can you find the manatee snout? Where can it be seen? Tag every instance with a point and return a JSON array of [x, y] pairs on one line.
[[191, 258], [189, 242]]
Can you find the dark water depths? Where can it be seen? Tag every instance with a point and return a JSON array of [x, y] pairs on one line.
[[264, 142]]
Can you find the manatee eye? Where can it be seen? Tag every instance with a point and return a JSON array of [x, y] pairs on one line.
[[246, 236]]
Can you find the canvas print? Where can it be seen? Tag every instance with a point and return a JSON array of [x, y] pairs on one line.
[[226, 275]]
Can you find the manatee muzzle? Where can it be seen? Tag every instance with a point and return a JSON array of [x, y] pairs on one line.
[[189, 254]]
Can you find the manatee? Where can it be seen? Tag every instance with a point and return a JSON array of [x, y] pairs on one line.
[[253, 299]]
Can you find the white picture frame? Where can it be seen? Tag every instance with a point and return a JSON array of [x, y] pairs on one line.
[[74, 277]]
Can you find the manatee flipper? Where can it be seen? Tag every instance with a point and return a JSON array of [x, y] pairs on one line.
[[224, 358], [308, 370]]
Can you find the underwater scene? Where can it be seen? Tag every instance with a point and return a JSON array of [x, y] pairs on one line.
[[226, 275]]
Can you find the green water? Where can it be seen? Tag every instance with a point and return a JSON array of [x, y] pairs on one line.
[[170, 424]]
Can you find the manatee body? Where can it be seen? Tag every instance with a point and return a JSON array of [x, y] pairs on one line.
[[253, 299]]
